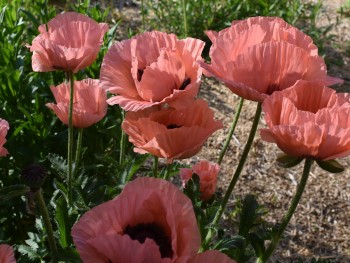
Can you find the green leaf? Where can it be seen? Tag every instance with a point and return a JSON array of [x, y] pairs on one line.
[[7, 193], [62, 220], [61, 188], [257, 243], [331, 166], [248, 215], [287, 161], [225, 244]]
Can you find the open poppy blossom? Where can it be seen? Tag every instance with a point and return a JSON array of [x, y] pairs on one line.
[[308, 120], [6, 254], [4, 127], [171, 133], [71, 42], [150, 221], [89, 102], [207, 173], [150, 69], [259, 55]]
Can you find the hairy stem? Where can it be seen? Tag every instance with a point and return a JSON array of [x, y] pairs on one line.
[[46, 219], [232, 129], [236, 175], [295, 201], [70, 137]]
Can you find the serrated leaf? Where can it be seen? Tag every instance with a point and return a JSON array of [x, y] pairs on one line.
[[27, 250], [248, 215], [331, 166], [61, 188], [287, 161], [9, 192], [59, 164], [235, 242]]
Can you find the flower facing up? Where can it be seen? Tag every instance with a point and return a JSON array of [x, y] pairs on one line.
[[4, 127], [171, 133], [69, 42], [259, 55], [6, 254], [150, 221], [308, 120], [151, 69], [89, 103], [207, 173]]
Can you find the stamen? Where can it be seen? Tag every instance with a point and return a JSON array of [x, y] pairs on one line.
[[151, 230], [173, 126], [185, 84], [139, 74]]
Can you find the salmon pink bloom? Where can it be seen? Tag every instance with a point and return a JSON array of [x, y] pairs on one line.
[[150, 221], [6, 254], [207, 173], [308, 120], [69, 42], [151, 69], [259, 55], [4, 127], [89, 102], [171, 133]]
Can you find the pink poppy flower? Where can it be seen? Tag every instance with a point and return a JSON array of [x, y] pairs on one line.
[[69, 42], [151, 69], [150, 221], [308, 120], [89, 103], [6, 254], [259, 55], [210, 256], [4, 127], [207, 173], [171, 133]]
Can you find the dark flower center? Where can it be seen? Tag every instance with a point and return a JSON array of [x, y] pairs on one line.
[[139, 74], [151, 230], [173, 126], [185, 84], [271, 88]]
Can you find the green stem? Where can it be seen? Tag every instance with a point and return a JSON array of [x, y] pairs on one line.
[[46, 219], [236, 175], [155, 166], [167, 171], [299, 192], [232, 129], [70, 137], [122, 142], [184, 15], [78, 151], [143, 15]]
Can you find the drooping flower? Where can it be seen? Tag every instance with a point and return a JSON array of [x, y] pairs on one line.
[[308, 120], [171, 133], [150, 69], [89, 102], [259, 55], [150, 221], [4, 127], [207, 173], [69, 42], [6, 254]]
